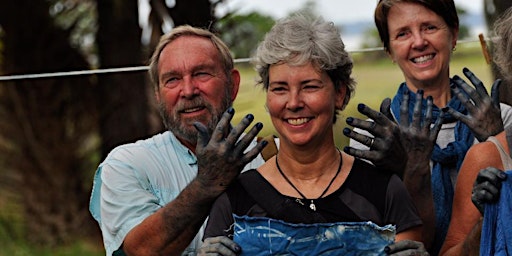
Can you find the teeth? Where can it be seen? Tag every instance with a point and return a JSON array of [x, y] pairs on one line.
[[423, 58], [297, 121], [190, 110]]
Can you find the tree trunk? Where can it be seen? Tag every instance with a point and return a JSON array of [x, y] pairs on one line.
[[123, 97], [46, 124], [493, 9]]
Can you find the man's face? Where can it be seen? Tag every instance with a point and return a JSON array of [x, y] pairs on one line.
[[193, 86]]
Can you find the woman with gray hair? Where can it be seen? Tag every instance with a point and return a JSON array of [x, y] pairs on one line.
[[310, 197]]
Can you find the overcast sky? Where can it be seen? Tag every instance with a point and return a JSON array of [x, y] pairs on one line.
[[333, 10]]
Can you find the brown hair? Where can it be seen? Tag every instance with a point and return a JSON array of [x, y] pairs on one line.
[[444, 8]]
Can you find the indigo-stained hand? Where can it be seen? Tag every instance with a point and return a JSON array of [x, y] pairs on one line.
[[222, 156], [406, 248], [385, 148], [487, 187], [220, 245], [484, 115]]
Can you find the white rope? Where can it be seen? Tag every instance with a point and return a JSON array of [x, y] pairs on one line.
[[145, 68]]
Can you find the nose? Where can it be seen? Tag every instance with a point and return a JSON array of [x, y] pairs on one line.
[[295, 101], [419, 40], [189, 88]]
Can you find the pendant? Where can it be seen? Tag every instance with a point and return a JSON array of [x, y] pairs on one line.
[[312, 206]]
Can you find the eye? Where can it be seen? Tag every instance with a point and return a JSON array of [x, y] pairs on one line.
[[202, 75], [277, 88], [311, 87], [171, 82], [430, 28], [402, 34]]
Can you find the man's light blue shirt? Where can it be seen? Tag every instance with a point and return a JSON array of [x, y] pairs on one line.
[[137, 179]]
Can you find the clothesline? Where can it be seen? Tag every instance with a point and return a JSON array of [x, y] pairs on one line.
[[145, 68]]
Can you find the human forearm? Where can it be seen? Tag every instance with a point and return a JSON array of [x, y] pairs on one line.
[[471, 245], [417, 180], [171, 229]]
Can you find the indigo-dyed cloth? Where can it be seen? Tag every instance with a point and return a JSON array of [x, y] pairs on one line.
[[443, 160], [496, 230], [265, 236]]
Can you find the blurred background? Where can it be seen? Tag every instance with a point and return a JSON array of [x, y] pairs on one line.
[[73, 85]]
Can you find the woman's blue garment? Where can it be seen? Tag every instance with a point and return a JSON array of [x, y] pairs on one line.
[[497, 226], [264, 236]]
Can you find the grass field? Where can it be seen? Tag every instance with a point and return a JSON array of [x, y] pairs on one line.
[[375, 81]]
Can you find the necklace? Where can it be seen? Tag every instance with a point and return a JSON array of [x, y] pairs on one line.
[[312, 205]]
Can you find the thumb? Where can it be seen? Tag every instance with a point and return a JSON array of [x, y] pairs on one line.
[[495, 93], [385, 108]]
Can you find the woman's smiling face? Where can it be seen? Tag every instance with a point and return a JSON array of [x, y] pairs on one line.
[[420, 43], [302, 102]]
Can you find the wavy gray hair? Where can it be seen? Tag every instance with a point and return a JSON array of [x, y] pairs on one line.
[[300, 39]]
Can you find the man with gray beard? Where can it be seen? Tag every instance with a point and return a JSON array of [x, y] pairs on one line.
[[153, 196]]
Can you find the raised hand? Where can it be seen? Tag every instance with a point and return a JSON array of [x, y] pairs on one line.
[[222, 156], [405, 248], [418, 138], [220, 245], [487, 187], [484, 115], [385, 148]]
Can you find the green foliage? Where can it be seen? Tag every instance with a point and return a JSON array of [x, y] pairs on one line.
[[242, 33]]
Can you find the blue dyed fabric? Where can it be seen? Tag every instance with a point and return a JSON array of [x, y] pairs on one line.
[[264, 236], [496, 232]]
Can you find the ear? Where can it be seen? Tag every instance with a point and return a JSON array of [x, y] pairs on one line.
[[340, 96], [391, 55], [455, 34], [157, 95], [235, 77]]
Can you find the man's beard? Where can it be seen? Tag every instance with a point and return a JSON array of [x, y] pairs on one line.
[[184, 129]]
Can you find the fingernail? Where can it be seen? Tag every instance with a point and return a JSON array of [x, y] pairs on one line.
[[264, 143], [250, 117], [456, 77], [238, 248], [346, 131], [465, 69], [360, 106], [503, 175], [387, 249], [259, 125], [231, 110], [345, 149], [350, 120], [430, 98]]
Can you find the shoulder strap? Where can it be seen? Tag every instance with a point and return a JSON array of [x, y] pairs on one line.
[[505, 159], [265, 196], [271, 149]]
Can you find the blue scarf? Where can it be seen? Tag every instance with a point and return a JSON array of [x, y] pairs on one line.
[[443, 159], [496, 237]]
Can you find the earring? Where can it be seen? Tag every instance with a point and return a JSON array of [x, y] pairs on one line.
[[454, 49]]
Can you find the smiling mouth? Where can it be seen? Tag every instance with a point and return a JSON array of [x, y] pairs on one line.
[[423, 59], [298, 121], [192, 110]]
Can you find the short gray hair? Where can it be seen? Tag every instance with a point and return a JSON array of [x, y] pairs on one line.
[[299, 39], [226, 59]]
